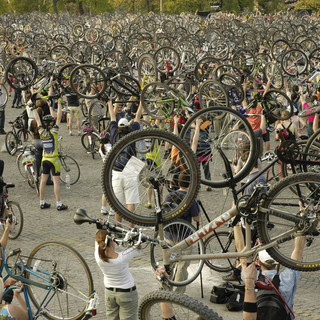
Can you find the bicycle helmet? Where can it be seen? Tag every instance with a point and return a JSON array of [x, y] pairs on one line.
[[104, 137], [48, 121]]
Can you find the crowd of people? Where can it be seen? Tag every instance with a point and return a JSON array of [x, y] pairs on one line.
[[43, 118]]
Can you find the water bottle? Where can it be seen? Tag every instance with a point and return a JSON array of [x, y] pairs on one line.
[[67, 181]]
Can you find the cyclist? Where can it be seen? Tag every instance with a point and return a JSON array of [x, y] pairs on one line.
[[120, 290], [50, 157], [125, 187], [288, 282]]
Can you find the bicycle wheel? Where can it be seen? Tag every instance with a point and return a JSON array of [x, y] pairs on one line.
[[167, 59], [312, 153], [147, 69], [66, 280], [21, 167], [95, 142], [212, 94], [183, 272], [294, 62], [227, 131], [164, 304], [275, 101], [11, 143], [233, 87], [17, 217], [98, 110], [23, 70], [157, 100], [291, 198], [273, 71], [69, 166], [3, 95], [88, 81], [220, 242], [24, 136], [118, 166]]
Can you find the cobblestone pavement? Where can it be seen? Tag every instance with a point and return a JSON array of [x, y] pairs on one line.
[[50, 224]]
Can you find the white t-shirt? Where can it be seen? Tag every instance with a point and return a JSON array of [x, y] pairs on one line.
[[116, 271]]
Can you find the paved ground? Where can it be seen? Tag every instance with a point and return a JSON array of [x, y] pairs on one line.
[[45, 225]]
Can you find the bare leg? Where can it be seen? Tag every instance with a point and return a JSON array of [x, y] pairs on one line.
[[56, 187], [43, 182]]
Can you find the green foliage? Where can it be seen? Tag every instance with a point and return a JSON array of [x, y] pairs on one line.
[[231, 6], [308, 4]]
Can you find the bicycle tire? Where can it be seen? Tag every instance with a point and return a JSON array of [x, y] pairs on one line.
[[174, 232], [147, 69], [164, 56], [157, 101], [85, 77], [93, 148], [56, 263], [276, 101], [24, 70], [233, 88], [273, 72], [11, 143], [21, 168], [212, 94], [23, 136], [224, 138], [213, 246], [311, 152], [17, 218], [309, 111], [69, 166], [288, 196], [165, 174], [3, 95], [184, 307], [97, 111]]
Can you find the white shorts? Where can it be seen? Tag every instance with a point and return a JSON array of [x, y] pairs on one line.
[[125, 187]]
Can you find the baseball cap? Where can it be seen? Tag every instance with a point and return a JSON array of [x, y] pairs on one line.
[[265, 257], [123, 122]]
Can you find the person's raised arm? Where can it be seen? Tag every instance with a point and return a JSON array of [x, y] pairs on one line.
[[5, 235], [138, 113], [59, 112], [195, 139], [111, 111], [250, 299], [266, 89], [315, 124]]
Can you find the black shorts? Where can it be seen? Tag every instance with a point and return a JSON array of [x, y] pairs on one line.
[[53, 166], [266, 136]]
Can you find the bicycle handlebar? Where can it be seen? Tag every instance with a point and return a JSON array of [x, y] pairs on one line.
[[133, 236]]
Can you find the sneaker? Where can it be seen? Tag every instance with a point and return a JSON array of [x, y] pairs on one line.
[[62, 207], [70, 133], [148, 205], [166, 154], [111, 212], [232, 277], [45, 205], [104, 212], [2, 131], [209, 189], [79, 133]]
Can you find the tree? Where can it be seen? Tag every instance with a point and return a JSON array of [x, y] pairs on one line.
[[308, 4], [55, 8]]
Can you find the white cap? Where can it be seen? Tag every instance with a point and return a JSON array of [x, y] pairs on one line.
[[265, 257], [123, 122]]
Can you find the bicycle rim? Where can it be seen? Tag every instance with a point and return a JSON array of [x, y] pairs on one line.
[[11, 143], [183, 272], [164, 170], [292, 197], [164, 304], [56, 263]]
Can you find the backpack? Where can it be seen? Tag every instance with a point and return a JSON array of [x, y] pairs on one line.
[[287, 133], [171, 202], [269, 303]]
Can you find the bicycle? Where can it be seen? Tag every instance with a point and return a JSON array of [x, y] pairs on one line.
[[26, 160], [12, 210], [300, 192], [89, 138], [50, 283], [17, 136]]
